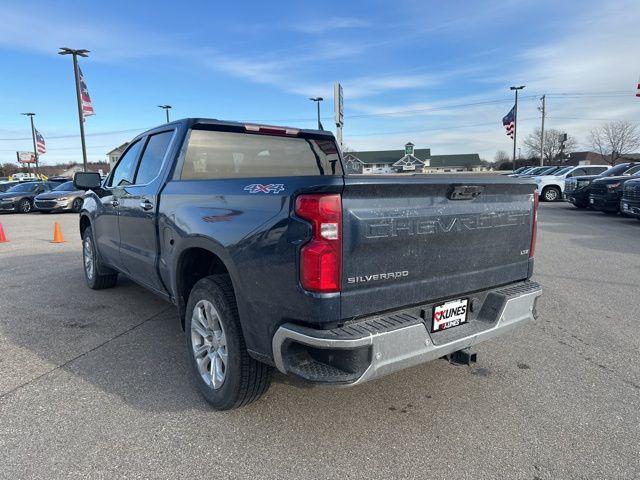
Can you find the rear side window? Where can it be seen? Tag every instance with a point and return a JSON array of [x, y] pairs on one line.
[[212, 155], [151, 160], [123, 174], [633, 170], [595, 170]]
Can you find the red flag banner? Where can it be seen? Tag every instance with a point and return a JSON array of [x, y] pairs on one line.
[[87, 106]]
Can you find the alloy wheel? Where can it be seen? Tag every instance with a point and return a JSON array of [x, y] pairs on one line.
[[209, 344], [87, 252]]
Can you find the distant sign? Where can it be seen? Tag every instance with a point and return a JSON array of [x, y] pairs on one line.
[[26, 157], [408, 167], [408, 149], [338, 104]]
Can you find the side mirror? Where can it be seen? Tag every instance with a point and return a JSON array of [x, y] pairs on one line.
[[86, 180]]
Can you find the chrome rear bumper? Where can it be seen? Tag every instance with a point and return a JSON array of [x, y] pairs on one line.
[[396, 342]]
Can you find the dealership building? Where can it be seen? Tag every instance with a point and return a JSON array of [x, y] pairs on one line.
[[410, 160]]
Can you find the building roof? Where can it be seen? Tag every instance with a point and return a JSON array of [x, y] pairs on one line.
[[456, 160], [388, 156], [119, 149]]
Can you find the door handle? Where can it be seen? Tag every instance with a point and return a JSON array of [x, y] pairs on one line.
[[115, 203], [146, 205]]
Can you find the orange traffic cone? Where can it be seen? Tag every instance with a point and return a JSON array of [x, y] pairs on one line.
[[57, 234], [3, 238]]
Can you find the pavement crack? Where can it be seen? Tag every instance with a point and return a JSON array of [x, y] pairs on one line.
[[80, 355]]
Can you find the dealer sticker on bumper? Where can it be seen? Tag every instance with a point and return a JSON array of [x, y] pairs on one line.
[[449, 315]]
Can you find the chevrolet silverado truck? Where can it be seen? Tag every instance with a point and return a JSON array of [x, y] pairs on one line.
[[275, 258]]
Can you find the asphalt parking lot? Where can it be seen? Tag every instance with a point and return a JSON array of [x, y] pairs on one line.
[[95, 383]]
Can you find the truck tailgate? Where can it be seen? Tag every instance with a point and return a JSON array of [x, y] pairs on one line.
[[409, 240]]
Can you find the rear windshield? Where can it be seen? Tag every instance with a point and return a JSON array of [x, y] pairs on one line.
[[212, 155]]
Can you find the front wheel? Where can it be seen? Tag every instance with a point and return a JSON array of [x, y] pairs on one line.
[[76, 205], [551, 194], [97, 276], [25, 205], [226, 375]]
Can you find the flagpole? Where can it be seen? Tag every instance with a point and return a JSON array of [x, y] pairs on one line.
[[33, 138], [515, 123], [76, 71]]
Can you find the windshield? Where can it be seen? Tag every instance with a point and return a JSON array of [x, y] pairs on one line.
[[23, 187], [549, 171], [65, 187], [521, 169], [562, 171], [633, 170]]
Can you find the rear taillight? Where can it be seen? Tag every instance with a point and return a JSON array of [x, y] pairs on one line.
[[534, 230], [321, 257]]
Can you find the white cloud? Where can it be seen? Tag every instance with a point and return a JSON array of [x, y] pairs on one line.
[[324, 25]]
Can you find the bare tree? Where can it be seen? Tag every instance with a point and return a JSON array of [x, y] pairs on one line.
[[501, 157], [615, 139], [553, 145]]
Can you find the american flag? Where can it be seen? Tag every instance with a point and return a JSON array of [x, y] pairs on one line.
[[40, 146], [509, 121], [87, 106]]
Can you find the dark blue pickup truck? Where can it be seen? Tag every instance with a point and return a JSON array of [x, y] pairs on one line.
[[275, 258]]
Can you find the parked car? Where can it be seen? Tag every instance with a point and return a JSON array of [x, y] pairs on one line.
[[63, 197], [577, 189], [274, 257], [550, 187], [605, 193], [4, 186], [19, 198], [630, 203]]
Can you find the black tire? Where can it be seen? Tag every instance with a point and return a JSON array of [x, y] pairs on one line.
[[101, 277], [580, 205], [76, 205], [24, 206], [245, 379], [551, 194]]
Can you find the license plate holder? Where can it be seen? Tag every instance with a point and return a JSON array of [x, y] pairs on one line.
[[450, 314]]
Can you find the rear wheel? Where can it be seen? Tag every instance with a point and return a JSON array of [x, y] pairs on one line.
[[25, 205], [580, 205], [551, 194], [226, 375], [97, 275]]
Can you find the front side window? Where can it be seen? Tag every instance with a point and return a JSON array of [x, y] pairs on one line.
[[124, 171], [151, 160], [212, 154]]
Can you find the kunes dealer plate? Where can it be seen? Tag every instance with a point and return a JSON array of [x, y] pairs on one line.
[[450, 314]]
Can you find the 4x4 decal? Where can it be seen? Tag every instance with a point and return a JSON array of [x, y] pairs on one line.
[[260, 188]]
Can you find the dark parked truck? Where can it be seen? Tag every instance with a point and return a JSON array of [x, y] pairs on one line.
[[605, 193], [578, 189], [275, 258], [630, 203]]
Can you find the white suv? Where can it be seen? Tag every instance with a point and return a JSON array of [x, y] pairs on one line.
[[550, 187]]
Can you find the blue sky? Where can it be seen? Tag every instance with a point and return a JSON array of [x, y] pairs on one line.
[[434, 73]]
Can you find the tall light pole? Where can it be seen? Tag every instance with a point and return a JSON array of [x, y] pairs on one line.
[[33, 136], [166, 110], [515, 122], [76, 54], [318, 100]]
